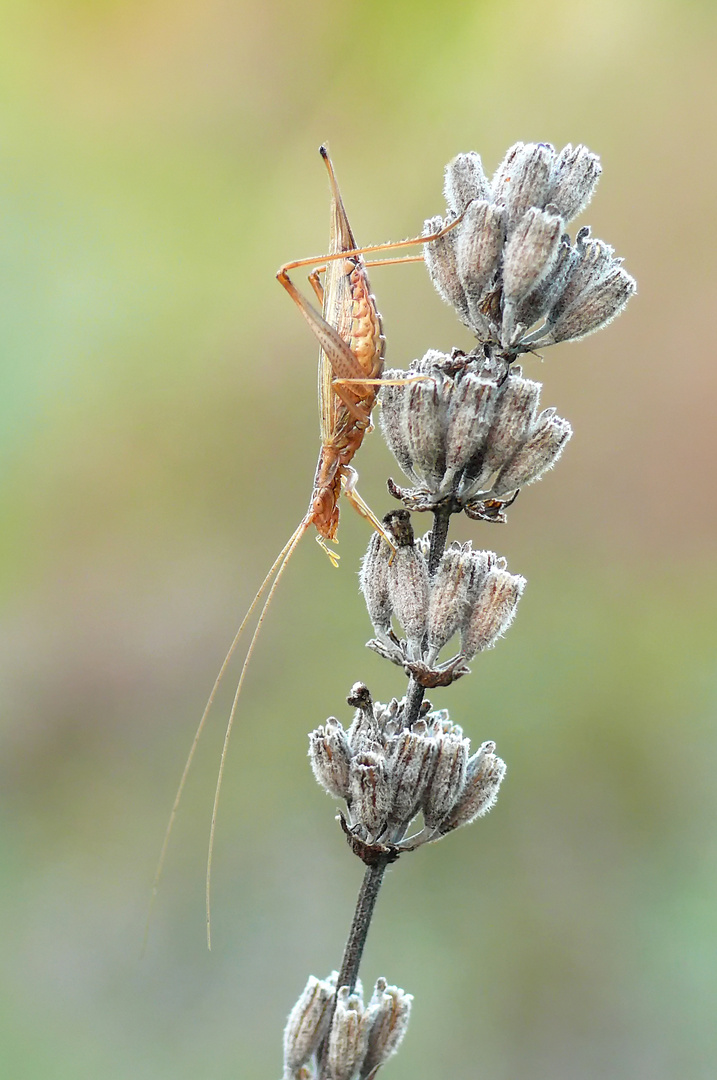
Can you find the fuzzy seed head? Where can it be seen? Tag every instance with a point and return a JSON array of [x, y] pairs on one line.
[[408, 589], [373, 582], [348, 1041], [307, 1025], [448, 597], [492, 612], [447, 780], [412, 767], [539, 452], [513, 418], [508, 266], [464, 182], [523, 180], [574, 179], [391, 1011], [484, 775], [442, 265], [478, 424], [370, 791], [330, 755]]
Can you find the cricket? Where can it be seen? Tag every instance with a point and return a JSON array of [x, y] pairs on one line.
[[351, 358]]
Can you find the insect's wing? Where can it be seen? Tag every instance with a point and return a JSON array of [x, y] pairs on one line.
[[338, 305]]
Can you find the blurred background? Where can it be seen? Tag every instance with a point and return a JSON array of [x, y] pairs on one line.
[[158, 437]]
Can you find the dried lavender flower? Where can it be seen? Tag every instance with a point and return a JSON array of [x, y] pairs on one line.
[[447, 780], [505, 266], [373, 579], [330, 754], [594, 289], [370, 791], [492, 612], [442, 262], [574, 179], [307, 1025], [471, 593], [465, 181], [391, 1010], [538, 453], [523, 179], [478, 248], [449, 595], [529, 255], [348, 1040], [485, 441], [425, 768], [407, 581], [484, 775], [413, 759]]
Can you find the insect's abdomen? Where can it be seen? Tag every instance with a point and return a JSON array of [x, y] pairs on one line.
[[323, 508], [367, 342]]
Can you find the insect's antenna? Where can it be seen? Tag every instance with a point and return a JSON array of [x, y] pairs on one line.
[[277, 564], [285, 556]]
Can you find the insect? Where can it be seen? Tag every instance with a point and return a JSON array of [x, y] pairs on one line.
[[352, 345]]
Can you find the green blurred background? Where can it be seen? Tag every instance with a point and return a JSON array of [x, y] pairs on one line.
[[158, 437]]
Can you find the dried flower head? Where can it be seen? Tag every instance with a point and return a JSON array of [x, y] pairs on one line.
[[348, 1040], [307, 1025], [390, 1007], [423, 768], [509, 268], [471, 594], [469, 436], [361, 1039]]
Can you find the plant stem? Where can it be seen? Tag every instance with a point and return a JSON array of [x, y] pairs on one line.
[[368, 894], [439, 534], [373, 878]]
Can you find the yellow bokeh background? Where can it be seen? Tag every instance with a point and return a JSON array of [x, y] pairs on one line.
[[158, 434]]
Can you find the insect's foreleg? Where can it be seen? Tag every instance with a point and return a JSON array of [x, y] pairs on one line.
[[282, 273], [391, 262], [383, 382], [358, 409]]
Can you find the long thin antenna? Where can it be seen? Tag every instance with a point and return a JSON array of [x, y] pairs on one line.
[[287, 552], [197, 735]]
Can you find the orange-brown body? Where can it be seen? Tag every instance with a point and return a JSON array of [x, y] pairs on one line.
[[350, 362], [340, 443]]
